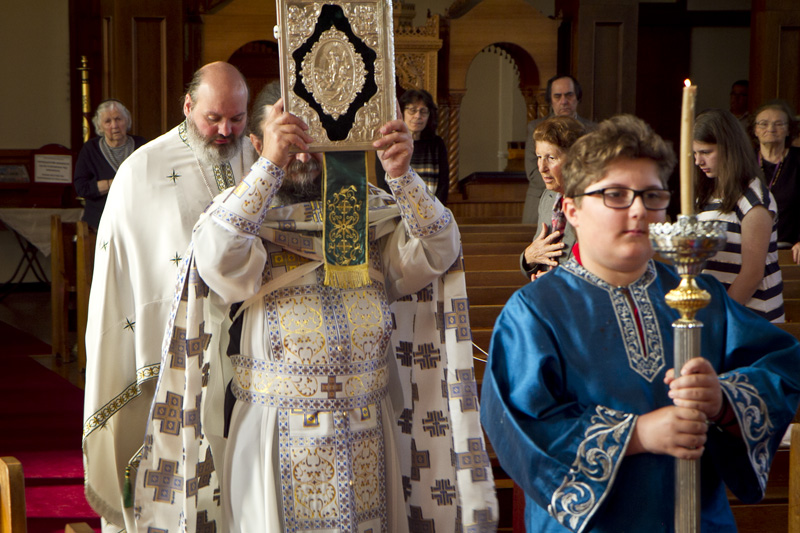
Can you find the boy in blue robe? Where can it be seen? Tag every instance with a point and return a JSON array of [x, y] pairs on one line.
[[578, 398]]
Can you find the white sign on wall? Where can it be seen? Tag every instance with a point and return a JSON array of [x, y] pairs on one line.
[[52, 168]]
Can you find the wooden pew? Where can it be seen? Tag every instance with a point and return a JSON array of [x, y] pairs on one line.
[[12, 496]]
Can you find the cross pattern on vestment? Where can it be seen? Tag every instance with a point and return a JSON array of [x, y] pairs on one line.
[[426, 356], [331, 387], [439, 316], [436, 424], [170, 414], [205, 370], [201, 290], [129, 324], [475, 459], [165, 481], [191, 417], [418, 524], [312, 211], [405, 421], [406, 487], [176, 259], [443, 492], [286, 259], [465, 389], [195, 346], [425, 294], [177, 347], [458, 264], [203, 525], [484, 523], [419, 459], [344, 248], [295, 241], [174, 176], [459, 319], [405, 352]]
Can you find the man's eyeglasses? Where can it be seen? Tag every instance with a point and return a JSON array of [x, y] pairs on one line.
[[422, 111], [764, 124], [622, 197]]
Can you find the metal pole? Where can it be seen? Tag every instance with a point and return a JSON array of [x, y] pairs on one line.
[[687, 473], [688, 244]]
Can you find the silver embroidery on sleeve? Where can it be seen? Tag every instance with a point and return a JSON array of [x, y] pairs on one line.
[[753, 416], [596, 463]]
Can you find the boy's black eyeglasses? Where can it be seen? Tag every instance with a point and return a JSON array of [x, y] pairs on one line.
[[622, 197]]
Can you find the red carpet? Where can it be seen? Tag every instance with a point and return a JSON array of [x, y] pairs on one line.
[[41, 416]]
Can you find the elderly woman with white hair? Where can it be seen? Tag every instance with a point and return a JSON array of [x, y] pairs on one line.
[[101, 157]]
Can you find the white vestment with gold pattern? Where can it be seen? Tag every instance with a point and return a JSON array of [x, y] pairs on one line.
[[157, 196], [331, 431]]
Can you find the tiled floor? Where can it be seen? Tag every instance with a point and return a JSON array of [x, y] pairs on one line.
[[30, 312]]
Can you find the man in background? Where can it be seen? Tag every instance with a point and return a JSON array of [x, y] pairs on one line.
[[739, 104], [159, 193], [563, 93]]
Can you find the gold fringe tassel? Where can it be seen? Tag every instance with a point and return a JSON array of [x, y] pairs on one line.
[[347, 277]]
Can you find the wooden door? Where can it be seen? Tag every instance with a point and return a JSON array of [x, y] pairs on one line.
[[143, 61]]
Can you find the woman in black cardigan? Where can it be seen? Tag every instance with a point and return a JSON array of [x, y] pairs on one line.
[[430, 154], [101, 157]]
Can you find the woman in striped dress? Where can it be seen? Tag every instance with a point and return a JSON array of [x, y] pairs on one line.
[[731, 189]]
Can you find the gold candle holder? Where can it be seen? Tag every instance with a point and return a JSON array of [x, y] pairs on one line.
[[688, 244]]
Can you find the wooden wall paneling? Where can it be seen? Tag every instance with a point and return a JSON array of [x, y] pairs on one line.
[[775, 52], [236, 23], [143, 44], [150, 70], [607, 52]]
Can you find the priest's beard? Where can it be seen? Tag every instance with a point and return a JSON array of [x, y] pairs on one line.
[[302, 183], [204, 148]]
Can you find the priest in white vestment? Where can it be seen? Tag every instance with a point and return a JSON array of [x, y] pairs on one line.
[[330, 430], [154, 202]]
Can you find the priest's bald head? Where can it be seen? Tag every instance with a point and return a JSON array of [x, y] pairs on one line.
[[215, 107]]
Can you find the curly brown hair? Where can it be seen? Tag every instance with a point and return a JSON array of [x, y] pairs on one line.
[[621, 136]]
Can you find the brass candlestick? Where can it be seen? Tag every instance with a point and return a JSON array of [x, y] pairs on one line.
[[688, 244]]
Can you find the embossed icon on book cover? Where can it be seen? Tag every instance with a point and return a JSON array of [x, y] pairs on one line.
[[337, 69]]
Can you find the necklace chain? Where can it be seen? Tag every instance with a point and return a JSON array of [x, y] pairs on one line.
[[205, 180], [776, 172]]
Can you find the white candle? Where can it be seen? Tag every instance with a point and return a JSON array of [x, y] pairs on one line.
[[686, 156]]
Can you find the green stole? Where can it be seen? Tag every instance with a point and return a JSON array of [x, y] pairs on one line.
[[345, 211]]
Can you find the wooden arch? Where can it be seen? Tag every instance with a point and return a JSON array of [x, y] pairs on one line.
[[527, 35]]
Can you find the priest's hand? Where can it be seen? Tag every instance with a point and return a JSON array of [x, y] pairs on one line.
[[282, 131], [676, 431], [545, 248], [395, 148], [697, 387]]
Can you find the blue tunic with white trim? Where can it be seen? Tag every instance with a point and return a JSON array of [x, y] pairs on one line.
[[569, 372]]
